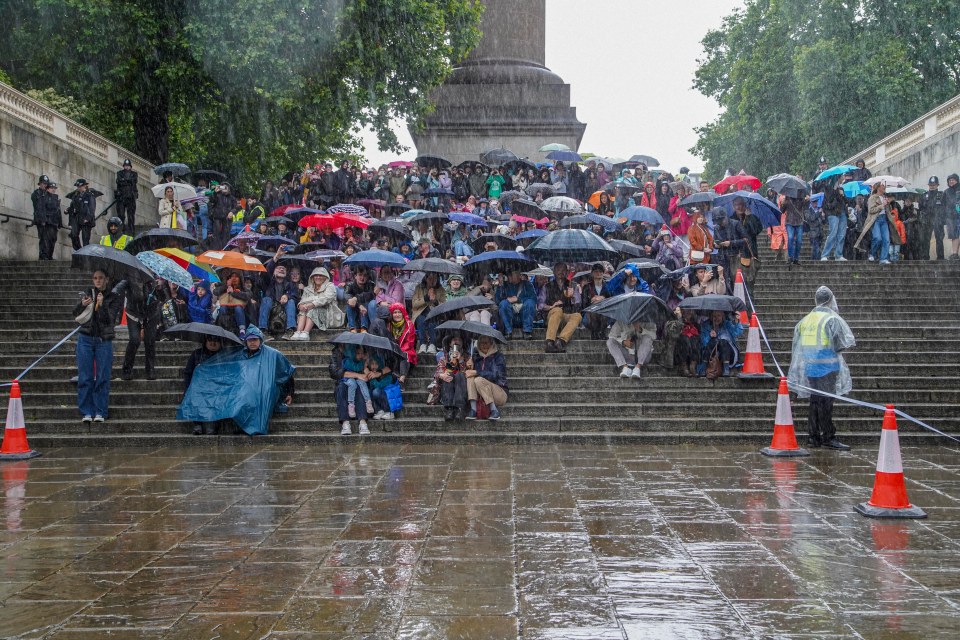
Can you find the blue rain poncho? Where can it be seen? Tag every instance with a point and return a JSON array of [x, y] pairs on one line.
[[818, 340], [237, 385]]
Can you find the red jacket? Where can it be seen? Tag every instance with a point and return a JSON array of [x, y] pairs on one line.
[[408, 337], [676, 211]]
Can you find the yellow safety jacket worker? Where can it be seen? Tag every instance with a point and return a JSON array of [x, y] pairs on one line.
[[120, 243]]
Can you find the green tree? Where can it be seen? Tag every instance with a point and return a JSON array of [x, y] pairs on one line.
[[797, 79], [248, 86]]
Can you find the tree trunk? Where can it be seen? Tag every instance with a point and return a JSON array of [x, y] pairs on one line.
[[151, 130]]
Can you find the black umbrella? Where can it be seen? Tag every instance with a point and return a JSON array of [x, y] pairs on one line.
[[520, 164], [305, 247], [543, 188], [368, 341], [700, 198], [627, 248], [429, 216], [507, 198], [433, 265], [587, 220], [432, 162], [391, 229], [650, 161], [210, 174], [452, 308], [497, 157], [471, 329], [527, 209], [788, 185], [571, 245], [502, 241], [396, 208], [91, 191], [497, 262], [118, 265], [161, 239], [474, 166], [278, 220], [645, 265], [200, 331], [633, 307], [613, 187], [305, 263], [713, 302], [266, 243]]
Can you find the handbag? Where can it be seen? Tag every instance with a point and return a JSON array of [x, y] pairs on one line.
[[84, 316], [394, 395], [483, 409], [696, 255], [714, 367]]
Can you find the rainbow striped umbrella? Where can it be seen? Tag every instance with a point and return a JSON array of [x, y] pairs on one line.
[[189, 262]]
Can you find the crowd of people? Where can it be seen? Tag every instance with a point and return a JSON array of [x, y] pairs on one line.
[[312, 233]]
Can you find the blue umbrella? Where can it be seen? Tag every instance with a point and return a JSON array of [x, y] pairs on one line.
[[166, 268], [767, 212], [642, 214], [268, 243], [589, 219], [564, 156], [468, 219], [838, 170], [854, 189], [376, 258], [531, 234], [497, 262], [571, 245], [178, 168], [409, 213]]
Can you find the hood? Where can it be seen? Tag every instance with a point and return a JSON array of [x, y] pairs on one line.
[[493, 350], [253, 331], [320, 271], [825, 298], [395, 306]]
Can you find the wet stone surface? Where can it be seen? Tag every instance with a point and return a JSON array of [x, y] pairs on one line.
[[485, 542]]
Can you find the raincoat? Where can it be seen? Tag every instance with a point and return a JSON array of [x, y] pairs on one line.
[[407, 338], [237, 385], [615, 286], [818, 340], [325, 314]]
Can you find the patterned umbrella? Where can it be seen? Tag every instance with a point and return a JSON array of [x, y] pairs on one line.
[[166, 268], [571, 245], [251, 237], [189, 262], [561, 204], [349, 208], [543, 188]]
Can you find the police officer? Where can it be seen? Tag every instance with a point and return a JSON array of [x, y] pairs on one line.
[[47, 224], [933, 217], [115, 237], [817, 365], [82, 213], [821, 167], [126, 195]]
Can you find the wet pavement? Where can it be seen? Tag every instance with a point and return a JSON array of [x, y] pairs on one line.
[[437, 542]]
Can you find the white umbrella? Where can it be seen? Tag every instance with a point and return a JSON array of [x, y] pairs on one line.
[[890, 181], [180, 190]]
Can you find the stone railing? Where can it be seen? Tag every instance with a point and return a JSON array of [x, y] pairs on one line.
[[39, 115], [926, 126]]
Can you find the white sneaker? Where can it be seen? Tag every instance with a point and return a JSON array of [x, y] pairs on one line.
[[638, 372], [86, 418], [422, 349], [302, 336], [388, 416], [98, 418], [352, 410], [870, 258], [825, 259], [345, 429], [625, 372], [884, 262], [431, 350], [378, 415], [364, 429], [369, 406], [840, 259]]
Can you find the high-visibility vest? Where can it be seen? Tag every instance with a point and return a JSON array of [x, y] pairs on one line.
[[818, 355], [120, 244]]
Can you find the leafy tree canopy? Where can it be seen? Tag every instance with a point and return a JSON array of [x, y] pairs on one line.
[[797, 79], [245, 86]]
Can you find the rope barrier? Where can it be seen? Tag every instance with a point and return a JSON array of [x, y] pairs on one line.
[[854, 401], [37, 361]]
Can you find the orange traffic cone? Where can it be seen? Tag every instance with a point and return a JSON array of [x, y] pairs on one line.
[[123, 319], [753, 359], [784, 442], [739, 291], [889, 499], [15, 445]]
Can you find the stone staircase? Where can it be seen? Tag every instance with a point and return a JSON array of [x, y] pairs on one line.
[[904, 317]]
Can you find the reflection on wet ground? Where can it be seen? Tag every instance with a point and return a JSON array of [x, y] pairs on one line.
[[467, 542]]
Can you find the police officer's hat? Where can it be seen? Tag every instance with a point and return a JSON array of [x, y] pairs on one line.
[[51, 185], [43, 179], [80, 182], [127, 163], [933, 180], [823, 160], [114, 221]]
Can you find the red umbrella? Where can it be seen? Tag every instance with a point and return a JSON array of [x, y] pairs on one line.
[[352, 220], [319, 220], [279, 211], [739, 181], [335, 222], [400, 163]]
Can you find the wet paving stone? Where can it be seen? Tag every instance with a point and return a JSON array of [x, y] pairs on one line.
[[474, 542]]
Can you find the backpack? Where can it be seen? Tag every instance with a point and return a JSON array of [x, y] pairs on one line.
[[278, 319]]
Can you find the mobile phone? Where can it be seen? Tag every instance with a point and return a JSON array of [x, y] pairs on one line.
[[83, 294]]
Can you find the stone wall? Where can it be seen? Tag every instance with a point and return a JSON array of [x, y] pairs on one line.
[[36, 140]]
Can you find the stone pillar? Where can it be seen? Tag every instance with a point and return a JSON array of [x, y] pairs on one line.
[[502, 95]]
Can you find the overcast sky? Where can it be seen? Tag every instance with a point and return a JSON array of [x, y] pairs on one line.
[[595, 44]]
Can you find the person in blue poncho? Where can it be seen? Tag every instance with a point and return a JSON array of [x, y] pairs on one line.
[[246, 385], [627, 280]]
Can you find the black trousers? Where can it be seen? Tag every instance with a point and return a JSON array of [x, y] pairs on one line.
[[149, 344], [79, 234], [127, 212], [47, 237], [820, 418], [454, 394], [220, 230]]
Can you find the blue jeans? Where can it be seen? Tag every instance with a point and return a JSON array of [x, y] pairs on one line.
[[426, 331], [357, 320], [880, 238], [267, 304], [794, 241], [835, 237], [509, 317], [352, 386], [202, 221], [815, 242], [94, 367]]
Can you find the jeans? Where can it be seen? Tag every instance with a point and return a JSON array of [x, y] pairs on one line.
[[794, 241], [267, 304], [835, 237], [94, 365], [340, 395], [426, 331], [202, 222], [357, 320], [880, 238], [509, 317], [815, 241], [352, 386]]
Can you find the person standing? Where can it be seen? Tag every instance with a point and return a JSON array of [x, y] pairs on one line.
[[97, 312], [952, 214], [46, 216], [126, 195], [82, 213], [115, 237], [933, 217], [143, 319], [818, 365]]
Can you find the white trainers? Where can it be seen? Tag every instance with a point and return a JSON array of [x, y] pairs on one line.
[[387, 416], [870, 258], [345, 428], [825, 259], [378, 415], [369, 406], [884, 262], [86, 418], [840, 259], [431, 350], [352, 410], [301, 336], [638, 372], [364, 429], [98, 418], [422, 349], [625, 372]]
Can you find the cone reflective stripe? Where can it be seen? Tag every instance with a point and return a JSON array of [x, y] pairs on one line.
[[784, 442], [753, 359], [15, 445], [889, 499], [739, 291]]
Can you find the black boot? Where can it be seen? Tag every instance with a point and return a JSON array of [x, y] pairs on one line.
[[449, 415], [197, 428], [550, 347], [210, 429], [561, 346]]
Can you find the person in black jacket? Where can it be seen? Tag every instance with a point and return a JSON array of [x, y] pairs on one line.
[[343, 183], [486, 376], [143, 322], [952, 215], [731, 240], [563, 315], [221, 206], [46, 216], [126, 195], [277, 289], [82, 213], [97, 312], [358, 295], [933, 217]]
